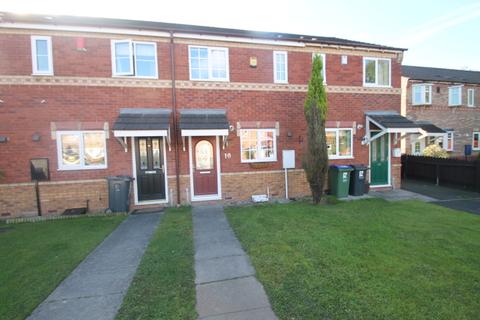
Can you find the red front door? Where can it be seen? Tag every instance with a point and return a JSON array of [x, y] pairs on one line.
[[204, 166]]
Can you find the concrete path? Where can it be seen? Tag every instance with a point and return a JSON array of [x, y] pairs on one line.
[[399, 195], [226, 286], [95, 289]]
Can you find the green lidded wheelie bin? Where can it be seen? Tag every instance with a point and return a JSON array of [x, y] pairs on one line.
[[339, 180]]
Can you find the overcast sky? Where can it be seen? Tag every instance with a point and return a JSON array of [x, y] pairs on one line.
[[441, 33]]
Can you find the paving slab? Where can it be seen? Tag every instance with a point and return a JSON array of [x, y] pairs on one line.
[[223, 268], [225, 279], [95, 289], [261, 314], [229, 296], [400, 195]]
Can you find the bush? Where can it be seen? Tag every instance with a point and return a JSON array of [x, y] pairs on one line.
[[435, 151]]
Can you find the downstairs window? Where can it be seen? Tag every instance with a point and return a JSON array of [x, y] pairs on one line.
[[258, 145], [78, 150]]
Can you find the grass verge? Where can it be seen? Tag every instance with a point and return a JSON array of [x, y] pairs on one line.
[[163, 287], [367, 259], [36, 257]]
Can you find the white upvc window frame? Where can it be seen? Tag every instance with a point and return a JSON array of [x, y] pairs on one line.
[[35, 70], [471, 102], [81, 166], [450, 104], [275, 80], [337, 143], [324, 64], [210, 69], [423, 88], [258, 131], [133, 61], [365, 84], [475, 133], [450, 135]]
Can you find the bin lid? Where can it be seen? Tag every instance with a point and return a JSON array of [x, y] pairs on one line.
[[359, 166], [341, 167], [120, 178]]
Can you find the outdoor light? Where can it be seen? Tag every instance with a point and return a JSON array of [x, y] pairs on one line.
[[253, 62]]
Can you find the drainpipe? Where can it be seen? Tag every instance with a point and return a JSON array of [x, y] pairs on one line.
[[174, 111]]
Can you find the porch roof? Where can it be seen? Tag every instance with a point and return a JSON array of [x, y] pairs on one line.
[[142, 119], [430, 128], [392, 120], [203, 119]]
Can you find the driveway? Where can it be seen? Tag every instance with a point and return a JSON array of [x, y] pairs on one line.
[[452, 198]]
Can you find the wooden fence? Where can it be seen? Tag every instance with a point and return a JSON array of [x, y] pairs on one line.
[[454, 172]]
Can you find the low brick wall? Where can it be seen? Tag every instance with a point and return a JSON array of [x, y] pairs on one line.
[[19, 200]]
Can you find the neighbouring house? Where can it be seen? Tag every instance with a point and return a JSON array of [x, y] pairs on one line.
[[446, 103], [191, 113]]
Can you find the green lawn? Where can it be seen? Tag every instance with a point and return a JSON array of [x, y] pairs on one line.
[[36, 257], [367, 259], [163, 287]]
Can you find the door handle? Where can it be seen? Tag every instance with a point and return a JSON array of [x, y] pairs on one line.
[[151, 172]]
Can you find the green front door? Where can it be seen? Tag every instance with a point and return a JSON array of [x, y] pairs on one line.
[[379, 160]]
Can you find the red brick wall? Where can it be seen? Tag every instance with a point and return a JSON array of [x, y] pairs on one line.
[[30, 109]]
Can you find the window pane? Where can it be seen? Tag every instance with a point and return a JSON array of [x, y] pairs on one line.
[[370, 74], [199, 63], [94, 145], [122, 58], [417, 94], [428, 94], [204, 155], [70, 149], [249, 144], [280, 65], [219, 64], [145, 60], [384, 72], [476, 140], [42, 55], [345, 143], [267, 149], [332, 143]]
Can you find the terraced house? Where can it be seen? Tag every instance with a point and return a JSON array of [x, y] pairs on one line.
[[191, 113], [445, 103]]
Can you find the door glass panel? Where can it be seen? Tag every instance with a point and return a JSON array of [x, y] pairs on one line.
[[94, 145], [374, 151], [156, 153], [204, 155], [382, 148], [71, 149], [142, 146]]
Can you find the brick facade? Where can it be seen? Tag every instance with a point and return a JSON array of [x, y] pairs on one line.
[[83, 94], [463, 119]]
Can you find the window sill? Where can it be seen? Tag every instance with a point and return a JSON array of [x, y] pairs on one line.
[[134, 77], [340, 157], [280, 82], [210, 80], [376, 86], [82, 168], [43, 74], [421, 104]]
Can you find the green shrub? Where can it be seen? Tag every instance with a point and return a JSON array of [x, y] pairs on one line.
[[436, 151]]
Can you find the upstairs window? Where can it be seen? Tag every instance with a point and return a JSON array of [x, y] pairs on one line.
[[339, 143], [476, 141], [134, 58], [207, 63], [324, 66], [42, 63], [376, 72], [78, 150], [471, 97], [455, 96], [258, 145], [421, 94], [280, 67]]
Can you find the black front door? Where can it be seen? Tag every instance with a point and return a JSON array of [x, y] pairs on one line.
[[150, 169]]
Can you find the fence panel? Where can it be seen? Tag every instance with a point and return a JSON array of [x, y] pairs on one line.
[[462, 173]]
